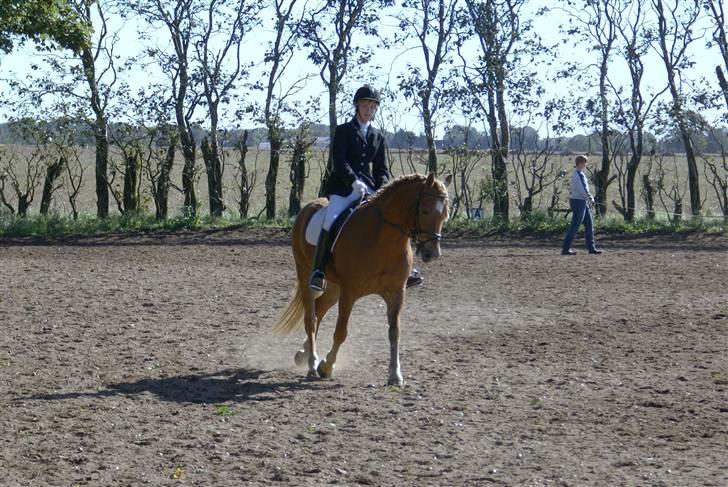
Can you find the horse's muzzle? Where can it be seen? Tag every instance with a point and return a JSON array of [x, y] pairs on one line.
[[429, 250]]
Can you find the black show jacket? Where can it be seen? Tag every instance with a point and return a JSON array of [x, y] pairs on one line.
[[357, 158]]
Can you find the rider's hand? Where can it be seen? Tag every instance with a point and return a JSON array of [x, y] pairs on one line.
[[360, 187]]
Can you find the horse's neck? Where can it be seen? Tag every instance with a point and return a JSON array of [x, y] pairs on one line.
[[399, 206]]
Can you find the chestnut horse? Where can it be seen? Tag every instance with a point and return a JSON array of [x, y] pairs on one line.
[[371, 256]]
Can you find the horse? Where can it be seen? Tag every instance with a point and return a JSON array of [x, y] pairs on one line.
[[372, 255]]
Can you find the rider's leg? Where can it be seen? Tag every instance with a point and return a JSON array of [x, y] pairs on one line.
[[320, 259], [337, 204]]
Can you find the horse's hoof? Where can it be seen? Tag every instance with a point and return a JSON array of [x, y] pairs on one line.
[[312, 375], [396, 381], [301, 358], [324, 370]]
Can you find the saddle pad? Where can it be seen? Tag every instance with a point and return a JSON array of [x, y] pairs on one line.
[[315, 225]]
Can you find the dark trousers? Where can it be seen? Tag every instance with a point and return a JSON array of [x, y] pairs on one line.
[[580, 213]]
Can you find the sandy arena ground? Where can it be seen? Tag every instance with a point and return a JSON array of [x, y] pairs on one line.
[[148, 360]]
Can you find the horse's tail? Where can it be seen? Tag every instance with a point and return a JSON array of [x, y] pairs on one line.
[[292, 316]]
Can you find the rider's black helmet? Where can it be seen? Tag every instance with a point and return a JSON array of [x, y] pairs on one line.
[[366, 92]]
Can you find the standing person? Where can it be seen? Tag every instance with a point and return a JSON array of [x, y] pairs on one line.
[[359, 168], [579, 200]]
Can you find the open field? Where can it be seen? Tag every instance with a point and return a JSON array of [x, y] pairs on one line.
[[401, 162], [147, 360]]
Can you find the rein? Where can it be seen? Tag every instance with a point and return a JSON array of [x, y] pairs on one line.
[[415, 232]]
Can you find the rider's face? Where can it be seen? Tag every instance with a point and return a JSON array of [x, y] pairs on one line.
[[366, 109]]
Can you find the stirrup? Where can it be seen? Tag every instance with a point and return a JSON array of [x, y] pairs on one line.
[[317, 281], [414, 279]]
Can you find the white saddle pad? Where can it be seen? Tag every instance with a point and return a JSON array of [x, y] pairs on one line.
[[313, 230]]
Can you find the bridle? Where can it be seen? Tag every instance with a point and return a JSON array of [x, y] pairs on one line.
[[416, 232]]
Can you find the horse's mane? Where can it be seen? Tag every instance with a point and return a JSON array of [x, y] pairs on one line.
[[397, 183]]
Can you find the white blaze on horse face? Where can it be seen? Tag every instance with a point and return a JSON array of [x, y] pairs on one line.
[[440, 206]]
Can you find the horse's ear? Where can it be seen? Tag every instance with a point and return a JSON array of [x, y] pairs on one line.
[[430, 179], [448, 180]]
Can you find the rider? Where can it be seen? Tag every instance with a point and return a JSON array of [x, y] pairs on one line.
[[360, 168]]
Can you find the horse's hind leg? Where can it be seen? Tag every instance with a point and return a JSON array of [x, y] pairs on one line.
[[321, 306], [394, 306], [309, 320], [326, 367]]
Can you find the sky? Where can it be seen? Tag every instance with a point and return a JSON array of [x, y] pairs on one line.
[[391, 63]]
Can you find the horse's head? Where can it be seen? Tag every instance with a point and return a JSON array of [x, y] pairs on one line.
[[431, 213]]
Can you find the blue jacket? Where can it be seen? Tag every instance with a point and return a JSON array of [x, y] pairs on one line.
[[357, 157]]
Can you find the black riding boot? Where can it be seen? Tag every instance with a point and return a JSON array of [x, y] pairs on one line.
[[320, 259]]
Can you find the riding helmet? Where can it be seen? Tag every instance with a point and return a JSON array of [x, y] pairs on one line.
[[366, 92]]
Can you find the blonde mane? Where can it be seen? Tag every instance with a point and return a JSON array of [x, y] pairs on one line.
[[397, 183]]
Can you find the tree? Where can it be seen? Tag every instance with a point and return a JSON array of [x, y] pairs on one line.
[[600, 19], [534, 167], [24, 166], [100, 76], [432, 23], [675, 24], [278, 58], [717, 14], [82, 85], [302, 142], [497, 28], [632, 114], [219, 66], [42, 21], [179, 19]]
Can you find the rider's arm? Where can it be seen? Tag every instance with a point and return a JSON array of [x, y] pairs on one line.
[[380, 170]]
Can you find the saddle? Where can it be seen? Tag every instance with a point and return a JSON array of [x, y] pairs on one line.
[[315, 225]]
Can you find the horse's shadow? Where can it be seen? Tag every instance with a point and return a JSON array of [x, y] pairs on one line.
[[230, 385]]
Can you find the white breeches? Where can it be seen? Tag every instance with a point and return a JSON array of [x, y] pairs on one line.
[[337, 204]]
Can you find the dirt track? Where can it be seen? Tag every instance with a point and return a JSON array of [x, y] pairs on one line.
[[148, 360]]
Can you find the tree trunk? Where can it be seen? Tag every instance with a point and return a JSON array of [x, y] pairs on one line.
[[693, 178], [132, 163], [679, 116], [100, 135], [53, 171], [678, 211], [297, 174], [23, 205], [244, 204], [272, 176], [723, 84], [163, 183], [102, 167], [498, 124], [429, 136], [213, 167], [631, 176], [649, 192], [188, 177]]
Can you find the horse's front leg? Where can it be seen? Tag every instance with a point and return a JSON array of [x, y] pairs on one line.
[[394, 306], [326, 367]]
